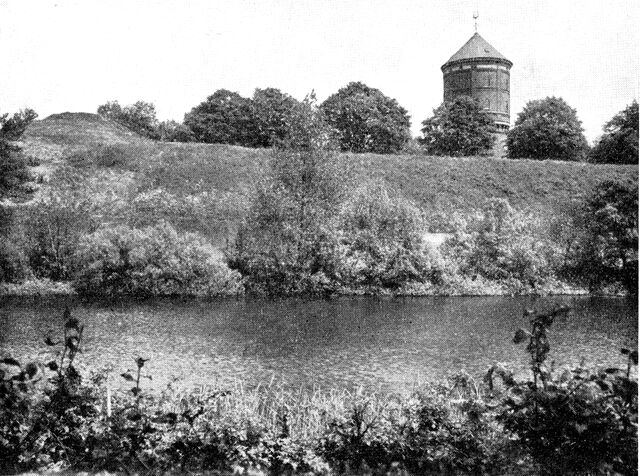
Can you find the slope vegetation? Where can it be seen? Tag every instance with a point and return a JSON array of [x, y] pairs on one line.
[[439, 185]]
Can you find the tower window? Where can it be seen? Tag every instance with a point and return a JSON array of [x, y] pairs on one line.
[[487, 104]]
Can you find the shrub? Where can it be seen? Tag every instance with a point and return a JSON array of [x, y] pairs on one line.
[[504, 245], [605, 251], [13, 264], [14, 174], [107, 156], [139, 117], [53, 225], [580, 422], [381, 242], [153, 261], [172, 131], [113, 156]]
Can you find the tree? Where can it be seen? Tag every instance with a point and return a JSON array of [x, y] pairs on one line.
[[14, 177], [547, 129], [607, 251], [619, 144], [458, 128], [273, 111], [287, 243], [14, 173], [139, 117], [365, 120], [225, 118]]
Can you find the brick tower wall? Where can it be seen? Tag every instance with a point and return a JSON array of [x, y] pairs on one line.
[[485, 80]]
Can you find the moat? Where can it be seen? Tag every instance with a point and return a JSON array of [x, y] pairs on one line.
[[382, 344]]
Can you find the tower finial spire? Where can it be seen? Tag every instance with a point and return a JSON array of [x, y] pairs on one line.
[[475, 20]]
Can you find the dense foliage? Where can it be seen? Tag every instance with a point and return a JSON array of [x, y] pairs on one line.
[[14, 185], [619, 144], [604, 252], [579, 422], [547, 129], [153, 261], [285, 244], [225, 117], [273, 113], [381, 243], [14, 173], [172, 131], [53, 226], [139, 117], [505, 246], [458, 128], [304, 234], [365, 120]]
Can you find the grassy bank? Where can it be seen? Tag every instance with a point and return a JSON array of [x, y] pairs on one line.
[[440, 186]]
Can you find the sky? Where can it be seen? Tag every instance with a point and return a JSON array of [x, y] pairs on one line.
[[65, 55]]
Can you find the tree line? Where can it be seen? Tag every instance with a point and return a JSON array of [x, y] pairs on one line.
[[363, 119]]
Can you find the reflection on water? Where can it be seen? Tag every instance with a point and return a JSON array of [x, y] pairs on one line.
[[378, 343]]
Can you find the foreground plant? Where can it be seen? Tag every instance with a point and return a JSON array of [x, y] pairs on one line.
[[578, 422]]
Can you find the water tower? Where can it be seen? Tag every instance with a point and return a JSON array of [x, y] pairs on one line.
[[480, 71]]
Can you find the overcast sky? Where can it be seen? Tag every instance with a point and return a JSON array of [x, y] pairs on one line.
[[66, 55]]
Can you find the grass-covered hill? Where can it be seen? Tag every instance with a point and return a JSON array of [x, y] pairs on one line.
[[120, 160]]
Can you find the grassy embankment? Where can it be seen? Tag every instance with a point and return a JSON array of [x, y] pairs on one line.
[[207, 187], [438, 185]]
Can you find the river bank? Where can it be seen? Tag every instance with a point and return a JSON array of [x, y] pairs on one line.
[[465, 288]]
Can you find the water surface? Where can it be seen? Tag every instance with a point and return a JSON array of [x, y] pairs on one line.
[[387, 344]]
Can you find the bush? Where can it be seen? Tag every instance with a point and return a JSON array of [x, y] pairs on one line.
[[605, 251], [139, 117], [14, 174], [172, 131], [108, 156], [422, 434], [13, 264], [506, 246], [580, 422], [53, 225], [381, 242], [153, 261]]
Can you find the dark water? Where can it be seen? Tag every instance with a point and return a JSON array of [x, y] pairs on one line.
[[388, 344]]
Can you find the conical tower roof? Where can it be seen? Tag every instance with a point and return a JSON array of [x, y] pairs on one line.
[[477, 48]]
